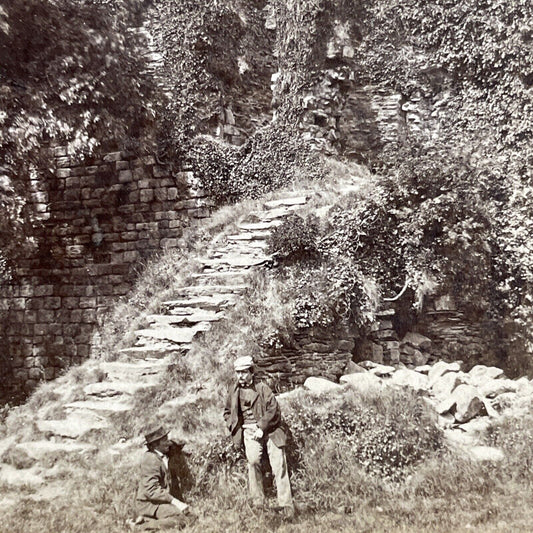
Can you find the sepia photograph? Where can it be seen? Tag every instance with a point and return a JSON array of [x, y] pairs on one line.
[[266, 266]]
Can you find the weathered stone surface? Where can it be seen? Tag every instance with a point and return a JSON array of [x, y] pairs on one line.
[[423, 369], [109, 388], [444, 385], [353, 368], [491, 388], [486, 453], [440, 368], [193, 318], [177, 335], [410, 378], [296, 200], [73, 426], [38, 449], [257, 235], [16, 477], [480, 374], [237, 261], [215, 302], [259, 226], [362, 381], [468, 403], [416, 340], [115, 406], [382, 370], [320, 385]]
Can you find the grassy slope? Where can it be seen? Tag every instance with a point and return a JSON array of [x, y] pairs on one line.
[[439, 493]]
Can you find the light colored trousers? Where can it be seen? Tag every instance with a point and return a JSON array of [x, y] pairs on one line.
[[278, 463]]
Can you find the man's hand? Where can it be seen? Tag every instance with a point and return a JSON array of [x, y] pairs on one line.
[[182, 506], [258, 433]]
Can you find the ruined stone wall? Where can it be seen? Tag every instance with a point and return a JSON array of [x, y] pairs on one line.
[[314, 352], [93, 224], [439, 332]]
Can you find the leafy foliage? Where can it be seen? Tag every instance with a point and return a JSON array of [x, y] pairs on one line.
[[381, 435], [271, 158], [295, 238], [71, 74]]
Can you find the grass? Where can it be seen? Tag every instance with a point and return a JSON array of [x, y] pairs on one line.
[[335, 486]]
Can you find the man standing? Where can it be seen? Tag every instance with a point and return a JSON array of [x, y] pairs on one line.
[[154, 498], [253, 417]]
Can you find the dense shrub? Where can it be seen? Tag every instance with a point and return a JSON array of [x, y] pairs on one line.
[[384, 434], [272, 157], [296, 238], [331, 292]]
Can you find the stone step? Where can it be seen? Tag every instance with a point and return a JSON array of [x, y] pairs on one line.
[[259, 226], [106, 406], [204, 302], [236, 261], [256, 236], [235, 275], [40, 448], [143, 350], [148, 368], [108, 389], [243, 247], [176, 335], [74, 426], [212, 290], [194, 318], [278, 213], [289, 201]]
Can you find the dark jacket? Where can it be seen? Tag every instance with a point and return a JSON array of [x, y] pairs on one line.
[[154, 485], [266, 411]]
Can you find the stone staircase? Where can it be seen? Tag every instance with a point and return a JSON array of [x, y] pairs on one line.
[[164, 338], [218, 286]]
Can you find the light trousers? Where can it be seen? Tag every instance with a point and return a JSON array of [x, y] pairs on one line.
[[278, 463]]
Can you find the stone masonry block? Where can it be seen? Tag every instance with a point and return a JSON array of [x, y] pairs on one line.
[[160, 172], [125, 176], [52, 302], [111, 157], [161, 195], [86, 303], [44, 290]]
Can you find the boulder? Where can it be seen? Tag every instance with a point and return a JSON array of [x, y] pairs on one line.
[[382, 370], [362, 382], [353, 368], [446, 420], [74, 426], [468, 403], [440, 368], [444, 385], [320, 385], [417, 341], [494, 387], [39, 449], [418, 358], [410, 378], [465, 403], [423, 369], [481, 374], [486, 453]]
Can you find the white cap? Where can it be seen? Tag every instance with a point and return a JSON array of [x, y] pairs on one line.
[[243, 363]]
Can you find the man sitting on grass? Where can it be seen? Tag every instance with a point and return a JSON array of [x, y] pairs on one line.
[[156, 498]]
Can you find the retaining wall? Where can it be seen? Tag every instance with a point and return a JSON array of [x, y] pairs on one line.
[[93, 223]]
